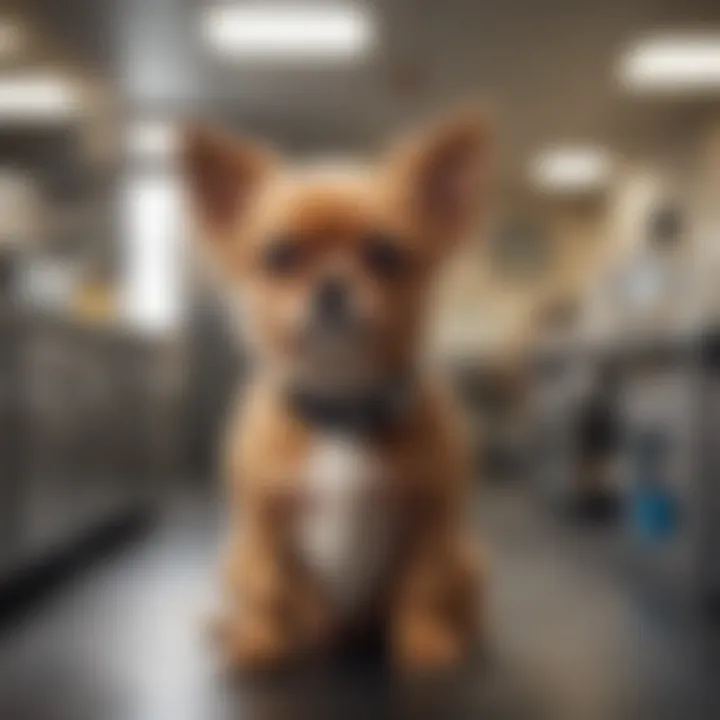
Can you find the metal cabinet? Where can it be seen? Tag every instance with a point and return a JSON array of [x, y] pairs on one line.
[[85, 416]]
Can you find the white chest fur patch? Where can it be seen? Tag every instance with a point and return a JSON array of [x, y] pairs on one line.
[[345, 532]]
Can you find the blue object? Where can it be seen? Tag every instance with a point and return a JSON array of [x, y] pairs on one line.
[[654, 508], [655, 514]]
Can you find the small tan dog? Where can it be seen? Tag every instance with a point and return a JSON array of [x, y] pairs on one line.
[[346, 463]]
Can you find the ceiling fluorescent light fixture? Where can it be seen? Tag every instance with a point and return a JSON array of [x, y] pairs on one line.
[[26, 97], [571, 169], [325, 31], [673, 63]]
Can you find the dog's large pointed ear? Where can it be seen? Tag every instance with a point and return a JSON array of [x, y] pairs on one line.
[[439, 176], [222, 175]]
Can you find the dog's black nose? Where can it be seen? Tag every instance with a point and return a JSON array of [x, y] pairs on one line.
[[331, 302]]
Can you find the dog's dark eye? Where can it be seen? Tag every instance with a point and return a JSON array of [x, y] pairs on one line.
[[282, 257], [385, 258]]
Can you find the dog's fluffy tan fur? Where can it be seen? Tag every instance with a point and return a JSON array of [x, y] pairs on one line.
[[424, 585]]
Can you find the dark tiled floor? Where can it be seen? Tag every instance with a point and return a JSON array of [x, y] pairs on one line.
[[570, 641]]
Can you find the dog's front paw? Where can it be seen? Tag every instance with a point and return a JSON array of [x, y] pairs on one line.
[[256, 649], [427, 649]]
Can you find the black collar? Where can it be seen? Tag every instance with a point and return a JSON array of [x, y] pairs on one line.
[[367, 413]]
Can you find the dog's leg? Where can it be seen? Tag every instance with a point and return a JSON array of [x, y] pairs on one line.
[[254, 632], [276, 613], [436, 617]]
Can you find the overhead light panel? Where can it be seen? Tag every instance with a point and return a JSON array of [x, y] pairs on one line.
[[30, 97], [282, 31], [572, 169], [673, 63]]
